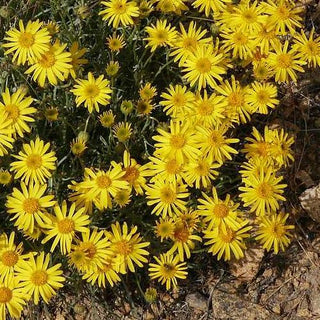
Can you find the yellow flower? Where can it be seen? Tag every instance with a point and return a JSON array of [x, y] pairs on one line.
[[28, 43], [126, 107], [223, 240], [122, 131], [112, 68], [64, 226], [285, 63], [217, 211], [127, 247], [147, 92], [17, 109], [79, 145], [102, 185], [122, 198], [34, 163], [51, 114], [262, 96], [168, 198], [52, 27], [165, 228], [76, 58], [12, 298], [210, 6], [167, 270], [283, 15], [204, 66], [178, 143], [308, 49], [175, 6], [144, 107], [38, 279], [262, 192], [28, 206], [274, 233], [6, 131], [119, 12], [52, 65], [183, 238], [107, 119], [116, 42], [160, 35], [92, 92], [5, 177]]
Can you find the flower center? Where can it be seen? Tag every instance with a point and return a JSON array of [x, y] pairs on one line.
[[202, 168], [284, 60], [31, 205], [9, 258], [262, 148], [39, 277], [172, 166], [312, 48], [177, 141], [240, 39], [179, 100], [120, 8], [262, 96], [66, 225], [34, 161], [26, 40], [283, 13], [203, 65], [264, 190], [161, 35], [249, 16], [131, 175], [90, 249], [181, 234], [12, 111], [47, 60], [103, 182], [123, 247], [91, 91], [220, 210], [215, 139], [168, 270], [167, 195], [5, 295], [277, 230], [205, 108], [190, 43], [235, 99], [228, 236]]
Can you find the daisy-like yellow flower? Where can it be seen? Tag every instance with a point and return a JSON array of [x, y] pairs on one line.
[[10, 255], [208, 110], [112, 68], [217, 211], [178, 143], [170, 170], [127, 247], [160, 35], [90, 252], [79, 144], [116, 42], [210, 6], [169, 198], [175, 6], [122, 131], [177, 101], [167, 270], [119, 12], [187, 42], [102, 185], [28, 205], [164, 228], [77, 59], [308, 49], [262, 96], [12, 298], [122, 198], [101, 275], [5, 177], [64, 226], [126, 107], [28, 43], [34, 163], [214, 144], [147, 92], [183, 238], [189, 218], [107, 119], [204, 66], [273, 232], [52, 65], [283, 15], [263, 192], [200, 172], [285, 63], [17, 109], [38, 279], [134, 173], [6, 132], [92, 92], [144, 107], [238, 109], [52, 27], [223, 240], [51, 114]]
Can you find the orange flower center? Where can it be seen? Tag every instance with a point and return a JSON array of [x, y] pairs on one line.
[[167, 195], [177, 141], [5, 295], [203, 65], [9, 258], [221, 210], [39, 277], [284, 60], [103, 182], [26, 40], [34, 161], [66, 225], [131, 175], [264, 190], [13, 111], [228, 236], [31, 205], [47, 60], [91, 91]]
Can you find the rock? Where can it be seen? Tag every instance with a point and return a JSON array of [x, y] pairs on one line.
[[310, 201], [247, 268], [227, 306], [197, 301]]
